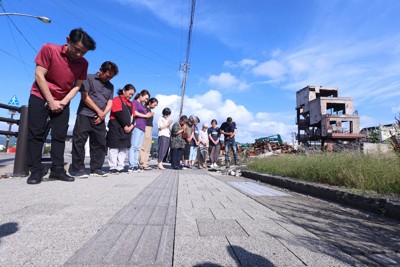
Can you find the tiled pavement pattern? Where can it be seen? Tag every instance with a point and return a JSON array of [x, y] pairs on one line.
[[140, 234], [218, 226]]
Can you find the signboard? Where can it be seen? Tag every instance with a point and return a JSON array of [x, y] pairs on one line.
[[13, 101]]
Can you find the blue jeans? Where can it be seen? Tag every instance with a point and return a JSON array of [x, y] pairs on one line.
[[193, 153], [232, 144], [136, 143]]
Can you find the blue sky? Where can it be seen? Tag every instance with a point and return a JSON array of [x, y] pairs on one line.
[[247, 58]]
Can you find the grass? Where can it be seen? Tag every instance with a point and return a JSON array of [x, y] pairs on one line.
[[378, 173]]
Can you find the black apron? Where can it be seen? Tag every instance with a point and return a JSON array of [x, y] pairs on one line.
[[116, 135]]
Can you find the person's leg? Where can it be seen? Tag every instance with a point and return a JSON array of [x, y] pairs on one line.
[[59, 128], [80, 135], [98, 146], [145, 148], [186, 154], [37, 122], [113, 158], [234, 152], [137, 138], [174, 158], [121, 159], [227, 159], [179, 155], [163, 144], [217, 152]]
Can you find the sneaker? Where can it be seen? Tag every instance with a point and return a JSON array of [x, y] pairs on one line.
[[59, 173], [35, 178], [114, 171], [81, 174], [122, 171], [98, 173], [133, 169]]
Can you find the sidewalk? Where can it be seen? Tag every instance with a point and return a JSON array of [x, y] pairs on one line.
[[154, 218]]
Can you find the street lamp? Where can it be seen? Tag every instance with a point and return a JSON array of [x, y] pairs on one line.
[[41, 18]]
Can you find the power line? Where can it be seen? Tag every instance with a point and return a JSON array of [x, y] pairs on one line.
[[18, 28], [186, 65], [129, 38]]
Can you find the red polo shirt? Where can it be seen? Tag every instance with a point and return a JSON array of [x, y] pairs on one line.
[[61, 72]]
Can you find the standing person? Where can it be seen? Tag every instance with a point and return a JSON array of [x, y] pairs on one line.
[[178, 142], [214, 135], [60, 71], [141, 115], [203, 146], [228, 129], [194, 143], [188, 136], [164, 135], [144, 152], [96, 101], [120, 128]]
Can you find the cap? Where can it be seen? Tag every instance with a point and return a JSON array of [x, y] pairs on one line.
[[205, 125]]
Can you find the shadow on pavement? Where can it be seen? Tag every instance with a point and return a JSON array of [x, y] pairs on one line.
[[8, 229]]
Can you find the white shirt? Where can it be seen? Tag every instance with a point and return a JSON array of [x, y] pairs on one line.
[[166, 131], [203, 138]]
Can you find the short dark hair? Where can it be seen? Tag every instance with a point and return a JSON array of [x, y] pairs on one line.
[[110, 67], [166, 112], [79, 35], [183, 118], [214, 120]]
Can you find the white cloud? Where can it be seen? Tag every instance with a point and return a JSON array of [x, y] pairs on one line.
[[211, 105], [271, 68], [226, 80]]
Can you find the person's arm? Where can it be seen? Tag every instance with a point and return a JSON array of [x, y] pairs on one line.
[[147, 115], [71, 93], [90, 103], [40, 78], [165, 125]]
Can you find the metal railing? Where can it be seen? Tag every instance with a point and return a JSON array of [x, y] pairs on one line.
[[20, 161]]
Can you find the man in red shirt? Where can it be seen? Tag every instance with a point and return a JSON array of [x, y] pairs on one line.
[[60, 71]]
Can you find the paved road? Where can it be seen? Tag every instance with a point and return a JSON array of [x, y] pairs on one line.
[[184, 218]]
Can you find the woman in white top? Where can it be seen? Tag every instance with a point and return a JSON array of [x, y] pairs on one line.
[[164, 134]]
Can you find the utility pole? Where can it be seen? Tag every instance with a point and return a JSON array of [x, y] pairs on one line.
[[186, 65]]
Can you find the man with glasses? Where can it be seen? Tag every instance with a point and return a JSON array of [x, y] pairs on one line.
[[96, 101], [59, 73]]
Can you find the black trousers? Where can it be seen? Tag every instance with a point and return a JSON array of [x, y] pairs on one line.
[[38, 117], [86, 128], [176, 157]]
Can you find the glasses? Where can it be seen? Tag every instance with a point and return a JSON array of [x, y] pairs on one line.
[[78, 50]]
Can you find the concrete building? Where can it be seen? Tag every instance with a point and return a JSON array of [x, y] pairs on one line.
[[323, 116]]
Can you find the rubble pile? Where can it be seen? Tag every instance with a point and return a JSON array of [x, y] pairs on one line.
[[267, 148]]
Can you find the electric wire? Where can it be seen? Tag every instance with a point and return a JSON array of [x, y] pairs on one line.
[[23, 36], [126, 36]]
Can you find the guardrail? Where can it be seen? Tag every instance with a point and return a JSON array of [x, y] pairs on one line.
[[20, 161]]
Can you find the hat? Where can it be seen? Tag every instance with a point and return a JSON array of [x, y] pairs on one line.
[[205, 125]]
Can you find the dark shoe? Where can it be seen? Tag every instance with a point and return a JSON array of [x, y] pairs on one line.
[[98, 173], [114, 171], [35, 178], [60, 174], [81, 174]]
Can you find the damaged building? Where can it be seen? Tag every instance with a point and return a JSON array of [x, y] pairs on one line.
[[323, 116]]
